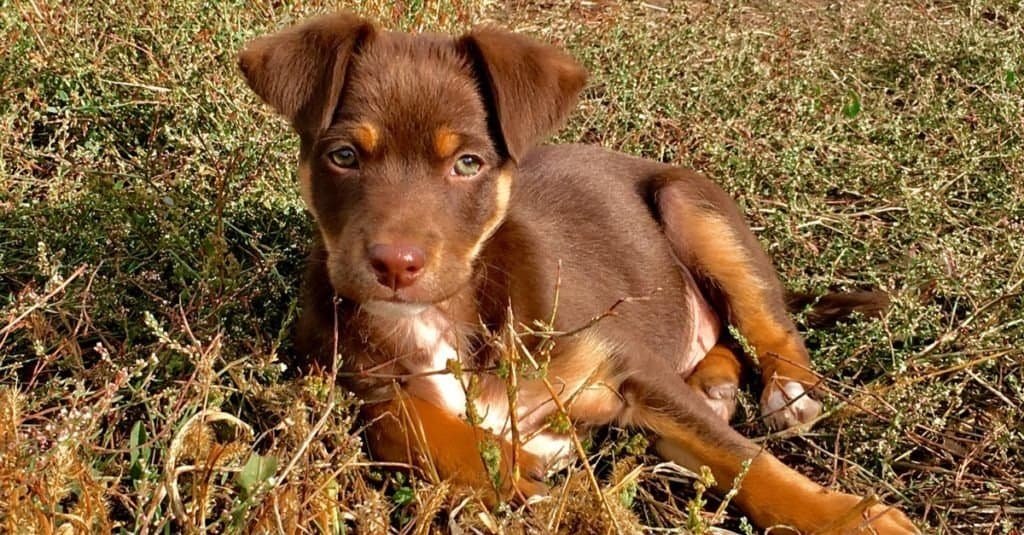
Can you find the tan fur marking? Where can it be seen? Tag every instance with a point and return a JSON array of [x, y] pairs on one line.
[[501, 197], [446, 142], [367, 136], [770, 489], [594, 390], [306, 185]]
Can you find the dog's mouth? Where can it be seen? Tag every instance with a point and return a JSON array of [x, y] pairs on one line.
[[394, 308], [377, 300]]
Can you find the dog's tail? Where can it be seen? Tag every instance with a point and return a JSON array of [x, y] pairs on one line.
[[828, 309]]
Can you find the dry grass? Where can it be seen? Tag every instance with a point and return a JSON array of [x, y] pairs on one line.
[[151, 236]]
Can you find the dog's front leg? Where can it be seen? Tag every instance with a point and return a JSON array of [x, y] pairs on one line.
[[408, 429], [770, 493], [711, 238]]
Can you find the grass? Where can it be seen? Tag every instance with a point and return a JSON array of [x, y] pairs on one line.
[[151, 238]]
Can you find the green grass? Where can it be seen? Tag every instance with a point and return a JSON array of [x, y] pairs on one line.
[[151, 239]]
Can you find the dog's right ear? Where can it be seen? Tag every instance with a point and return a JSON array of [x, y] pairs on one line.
[[529, 86], [300, 71]]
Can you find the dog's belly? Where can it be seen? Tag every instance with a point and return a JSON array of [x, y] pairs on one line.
[[705, 328]]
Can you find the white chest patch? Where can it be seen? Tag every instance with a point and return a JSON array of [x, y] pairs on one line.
[[432, 336]]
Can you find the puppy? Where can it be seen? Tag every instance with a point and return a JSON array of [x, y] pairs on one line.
[[454, 258]]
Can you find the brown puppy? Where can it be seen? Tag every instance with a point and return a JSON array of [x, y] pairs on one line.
[[442, 229]]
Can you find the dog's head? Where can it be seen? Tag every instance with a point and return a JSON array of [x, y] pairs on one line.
[[408, 143]]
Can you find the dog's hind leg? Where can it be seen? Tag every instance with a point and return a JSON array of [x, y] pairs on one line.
[[711, 238], [770, 493]]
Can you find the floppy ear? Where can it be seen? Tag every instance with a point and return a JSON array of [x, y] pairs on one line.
[[529, 86], [300, 71]]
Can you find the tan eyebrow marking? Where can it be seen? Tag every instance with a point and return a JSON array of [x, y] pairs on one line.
[[367, 136], [446, 142]]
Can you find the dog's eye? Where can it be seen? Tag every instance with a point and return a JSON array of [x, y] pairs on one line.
[[344, 157], [467, 166]]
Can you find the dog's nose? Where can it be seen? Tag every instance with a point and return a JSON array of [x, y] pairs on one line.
[[396, 266]]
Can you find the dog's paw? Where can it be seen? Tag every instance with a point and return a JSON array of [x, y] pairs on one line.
[[879, 519], [530, 485], [786, 403], [532, 470], [718, 393], [885, 520], [824, 512], [722, 399]]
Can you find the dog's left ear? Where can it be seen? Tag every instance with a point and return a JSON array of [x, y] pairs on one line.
[[529, 87]]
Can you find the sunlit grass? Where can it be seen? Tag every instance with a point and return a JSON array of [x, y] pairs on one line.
[[151, 241]]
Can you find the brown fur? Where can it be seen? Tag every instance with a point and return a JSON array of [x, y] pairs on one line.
[[597, 229]]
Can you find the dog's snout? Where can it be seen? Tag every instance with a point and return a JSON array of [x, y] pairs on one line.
[[396, 266]]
